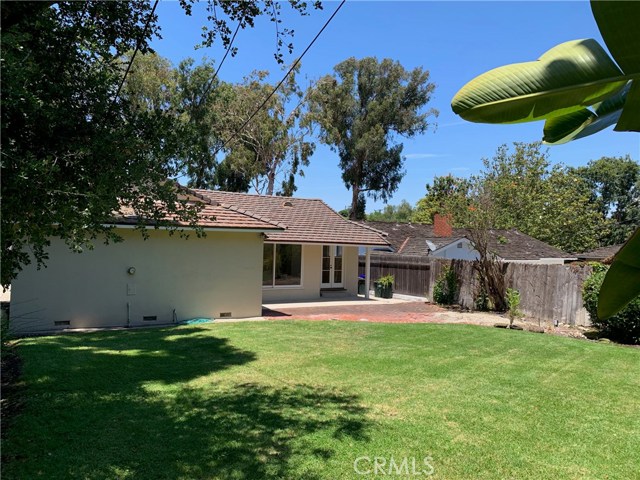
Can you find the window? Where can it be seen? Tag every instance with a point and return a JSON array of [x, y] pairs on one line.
[[282, 265]]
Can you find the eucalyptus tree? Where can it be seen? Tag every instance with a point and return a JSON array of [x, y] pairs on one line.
[[361, 110], [269, 145]]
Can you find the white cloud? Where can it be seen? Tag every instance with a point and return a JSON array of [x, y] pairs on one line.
[[426, 155]]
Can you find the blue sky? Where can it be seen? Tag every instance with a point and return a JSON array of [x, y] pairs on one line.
[[454, 40]]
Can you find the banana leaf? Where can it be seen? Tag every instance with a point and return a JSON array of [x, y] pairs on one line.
[[622, 282]]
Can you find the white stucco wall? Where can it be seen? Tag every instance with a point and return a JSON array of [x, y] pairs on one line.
[[196, 277], [311, 276], [453, 252]]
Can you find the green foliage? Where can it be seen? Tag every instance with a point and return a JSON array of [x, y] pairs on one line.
[[447, 195], [446, 287], [623, 327], [361, 110], [615, 188], [393, 213], [274, 146], [519, 188], [513, 305], [548, 202], [482, 301], [565, 80], [74, 148], [386, 281], [360, 209], [622, 282]]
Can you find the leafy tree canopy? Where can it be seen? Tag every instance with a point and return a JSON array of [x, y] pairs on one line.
[[446, 194], [274, 146], [393, 213], [74, 150], [360, 110], [615, 187], [520, 189]]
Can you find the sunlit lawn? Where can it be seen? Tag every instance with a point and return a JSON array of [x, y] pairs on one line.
[[304, 400]]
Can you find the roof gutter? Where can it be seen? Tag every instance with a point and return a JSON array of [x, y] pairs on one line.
[[187, 227]]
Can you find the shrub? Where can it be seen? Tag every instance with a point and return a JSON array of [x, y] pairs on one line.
[[482, 298], [444, 290], [624, 327], [386, 281], [513, 305]]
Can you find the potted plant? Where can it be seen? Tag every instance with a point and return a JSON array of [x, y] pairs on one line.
[[384, 286]]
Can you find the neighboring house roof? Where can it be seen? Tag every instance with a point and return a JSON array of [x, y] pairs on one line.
[[601, 253], [411, 239], [304, 220]]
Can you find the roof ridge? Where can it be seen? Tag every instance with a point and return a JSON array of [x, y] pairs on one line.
[[235, 208], [259, 195], [363, 224]]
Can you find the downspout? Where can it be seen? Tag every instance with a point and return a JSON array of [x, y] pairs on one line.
[[128, 315], [367, 272]]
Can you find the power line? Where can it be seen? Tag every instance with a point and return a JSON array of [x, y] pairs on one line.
[[144, 32], [295, 64], [215, 75]]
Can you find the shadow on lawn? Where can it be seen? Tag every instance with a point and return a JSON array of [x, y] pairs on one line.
[[115, 405]]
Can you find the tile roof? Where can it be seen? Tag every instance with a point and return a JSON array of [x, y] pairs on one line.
[[305, 220], [411, 239], [601, 253], [212, 215]]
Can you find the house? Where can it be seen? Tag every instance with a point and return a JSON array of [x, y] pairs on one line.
[[599, 254], [257, 249], [440, 240]]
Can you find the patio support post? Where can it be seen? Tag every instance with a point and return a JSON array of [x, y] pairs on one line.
[[367, 272]]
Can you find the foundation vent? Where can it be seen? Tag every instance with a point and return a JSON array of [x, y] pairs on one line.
[[225, 314], [149, 318], [61, 323]]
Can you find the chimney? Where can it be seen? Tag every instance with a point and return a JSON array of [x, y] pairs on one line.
[[442, 225]]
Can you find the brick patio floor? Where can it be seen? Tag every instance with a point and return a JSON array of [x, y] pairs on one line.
[[405, 312]]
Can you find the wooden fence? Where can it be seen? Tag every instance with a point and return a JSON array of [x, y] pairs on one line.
[[549, 293]]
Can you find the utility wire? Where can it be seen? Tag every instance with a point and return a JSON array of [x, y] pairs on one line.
[[295, 64], [144, 32], [215, 75]]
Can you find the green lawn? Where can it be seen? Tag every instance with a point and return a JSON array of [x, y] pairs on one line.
[[296, 399]]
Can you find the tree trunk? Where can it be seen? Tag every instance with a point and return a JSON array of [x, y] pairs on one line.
[[354, 202], [271, 180]]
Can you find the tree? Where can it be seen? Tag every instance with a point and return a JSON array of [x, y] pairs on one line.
[[393, 213], [273, 145], [549, 203], [75, 150], [360, 110], [564, 81], [447, 195], [189, 98], [359, 213], [523, 191], [615, 186]]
